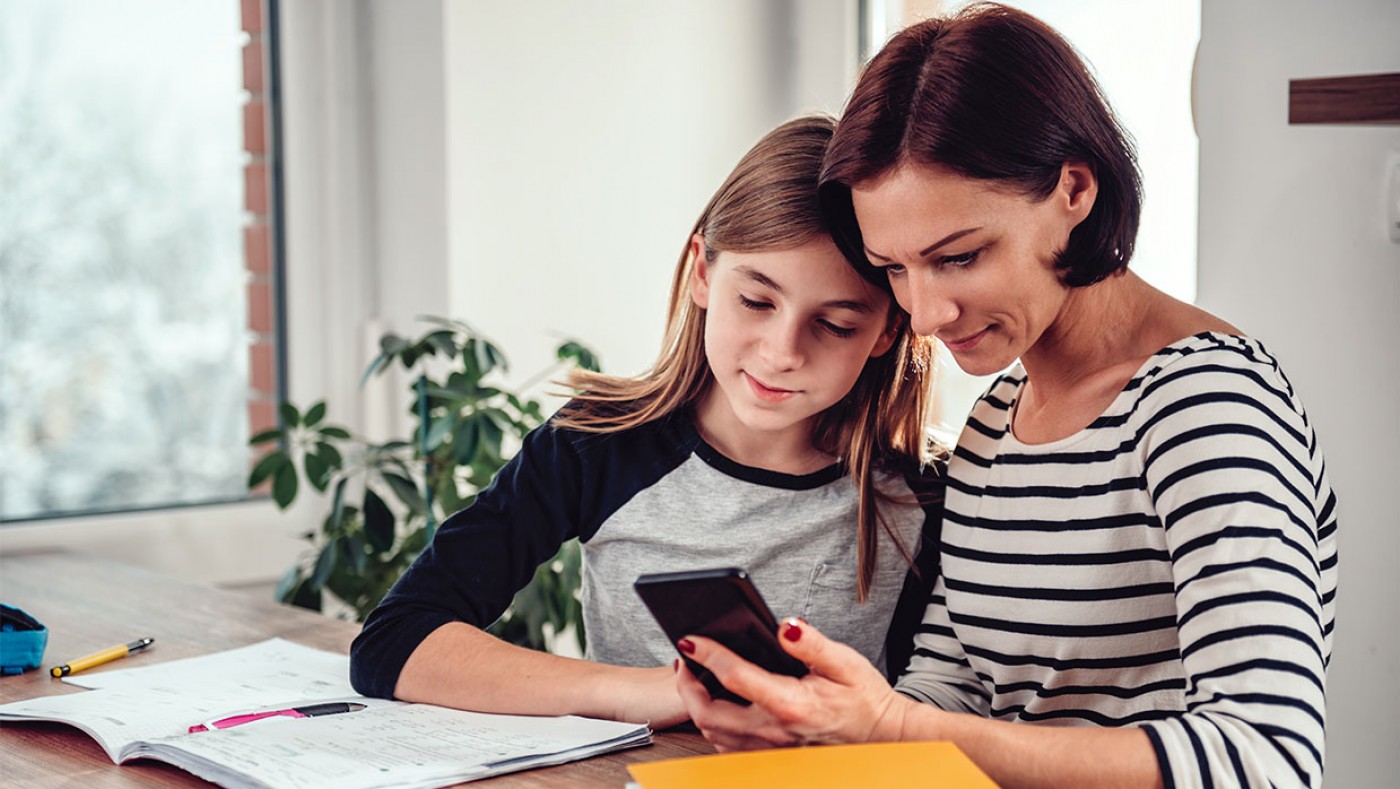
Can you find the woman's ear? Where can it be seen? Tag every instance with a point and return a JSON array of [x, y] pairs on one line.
[[699, 273], [1078, 189]]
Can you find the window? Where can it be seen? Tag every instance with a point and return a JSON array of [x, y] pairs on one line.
[[137, 290]]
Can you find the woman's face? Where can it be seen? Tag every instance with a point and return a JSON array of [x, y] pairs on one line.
[[971, 262]]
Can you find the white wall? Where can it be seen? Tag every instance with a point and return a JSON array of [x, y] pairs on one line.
[[1293, 250], [584, 139]]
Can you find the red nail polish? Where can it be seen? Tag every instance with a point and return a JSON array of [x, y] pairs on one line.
[[686, 645], [791, 631]]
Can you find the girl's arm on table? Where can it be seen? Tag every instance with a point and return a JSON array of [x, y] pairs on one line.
[[460, 666]]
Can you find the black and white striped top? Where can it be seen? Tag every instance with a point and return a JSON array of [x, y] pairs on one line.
[[1172, 566]]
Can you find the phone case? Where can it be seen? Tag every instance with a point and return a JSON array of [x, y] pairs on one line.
[[722, 604]]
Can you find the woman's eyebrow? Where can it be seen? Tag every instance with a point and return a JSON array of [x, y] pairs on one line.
[[766, 281], [926, 251]]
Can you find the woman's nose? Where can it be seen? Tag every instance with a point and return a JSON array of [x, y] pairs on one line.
[[930, 308]]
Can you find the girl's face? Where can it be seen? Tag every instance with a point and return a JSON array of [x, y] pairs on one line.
[[786, 334], [972, 264]]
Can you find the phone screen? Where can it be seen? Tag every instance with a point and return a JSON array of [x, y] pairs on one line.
[[722, 604]]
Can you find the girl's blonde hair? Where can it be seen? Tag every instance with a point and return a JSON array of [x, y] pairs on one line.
[[769, 203]]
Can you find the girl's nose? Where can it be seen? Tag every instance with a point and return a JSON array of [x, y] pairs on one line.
[[782, 348]]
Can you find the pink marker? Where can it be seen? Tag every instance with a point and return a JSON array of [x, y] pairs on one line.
[[309, 711]]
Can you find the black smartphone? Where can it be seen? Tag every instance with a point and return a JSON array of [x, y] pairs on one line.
[[722, 604]]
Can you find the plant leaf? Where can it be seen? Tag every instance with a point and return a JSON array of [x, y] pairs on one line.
[[497, 357], [464, 441], [291, 417], [438, 433], [331, 431], [579, 353], [270, 463], [289, 581], [284, 485], [318, 471], [337, 506], [407, 492], [307, 595], [375, 367], [274, 434], [443, 341], [315, 414], [379, 522], [330, 454], [325, 563], [392, 344]]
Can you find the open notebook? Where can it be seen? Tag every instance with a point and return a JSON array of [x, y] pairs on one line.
[[146, 713]]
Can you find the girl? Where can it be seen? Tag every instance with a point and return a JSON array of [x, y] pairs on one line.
[[780, 430], [1139, 559]]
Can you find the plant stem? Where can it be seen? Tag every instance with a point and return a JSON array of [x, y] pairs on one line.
[[423, 445]]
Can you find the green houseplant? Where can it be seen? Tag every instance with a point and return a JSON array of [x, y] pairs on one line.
[[386, 499]]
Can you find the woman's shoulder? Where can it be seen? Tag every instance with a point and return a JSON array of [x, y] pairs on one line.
[[1212, 352], [1214, 369]]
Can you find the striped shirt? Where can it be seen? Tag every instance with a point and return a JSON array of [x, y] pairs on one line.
[[1172, 566]]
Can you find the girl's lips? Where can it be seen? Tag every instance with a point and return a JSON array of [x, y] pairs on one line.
[[967, 343], [767, 393]]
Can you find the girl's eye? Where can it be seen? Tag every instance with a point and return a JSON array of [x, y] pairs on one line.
[[894, 270], [960, 261], [756, 306], [837, 331]]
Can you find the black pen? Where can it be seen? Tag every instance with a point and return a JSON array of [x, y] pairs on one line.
[[308, 711]]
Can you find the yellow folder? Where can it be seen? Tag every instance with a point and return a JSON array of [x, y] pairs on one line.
[[870, 766]]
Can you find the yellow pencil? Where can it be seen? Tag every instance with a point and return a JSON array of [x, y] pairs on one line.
[[98, 658]]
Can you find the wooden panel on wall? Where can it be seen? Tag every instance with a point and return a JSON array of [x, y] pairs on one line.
[[1366, 98]]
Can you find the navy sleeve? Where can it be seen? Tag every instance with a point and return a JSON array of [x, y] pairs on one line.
[[479, 558], [928, 485]]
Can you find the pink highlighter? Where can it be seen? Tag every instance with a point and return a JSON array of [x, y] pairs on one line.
[[309, 711]]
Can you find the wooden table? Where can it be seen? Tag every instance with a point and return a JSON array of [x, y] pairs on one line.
[[89, 604]]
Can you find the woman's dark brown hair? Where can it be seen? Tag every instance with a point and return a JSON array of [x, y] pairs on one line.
[[995, 94]]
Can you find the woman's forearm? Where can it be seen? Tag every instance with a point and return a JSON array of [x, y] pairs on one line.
[[1031, 755], [460, 666]]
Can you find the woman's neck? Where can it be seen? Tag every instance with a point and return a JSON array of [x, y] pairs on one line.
[[1100, 327]]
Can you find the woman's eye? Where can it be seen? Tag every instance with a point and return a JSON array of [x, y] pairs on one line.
[[965, 259], [837, 331], [753, 305], [894, 270]]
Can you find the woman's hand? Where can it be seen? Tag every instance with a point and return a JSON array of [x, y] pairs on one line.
[[844, 698]]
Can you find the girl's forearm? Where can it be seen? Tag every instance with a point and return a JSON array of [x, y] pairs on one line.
[[1031, 755], [461, 666]]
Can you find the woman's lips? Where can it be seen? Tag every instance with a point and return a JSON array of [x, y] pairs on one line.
[[967, 343], [768, 393]]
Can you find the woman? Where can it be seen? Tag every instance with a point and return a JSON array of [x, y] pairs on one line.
[[1139, 545]]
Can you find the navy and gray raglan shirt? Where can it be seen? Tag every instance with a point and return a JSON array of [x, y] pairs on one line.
[[657, 498]]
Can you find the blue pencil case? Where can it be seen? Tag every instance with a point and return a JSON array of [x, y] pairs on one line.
[[22, 641]]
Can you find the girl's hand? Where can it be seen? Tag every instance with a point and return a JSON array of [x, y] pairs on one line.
[[648, 696], [844, 699]]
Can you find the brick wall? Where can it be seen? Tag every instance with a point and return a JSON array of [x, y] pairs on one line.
[[257, 230]]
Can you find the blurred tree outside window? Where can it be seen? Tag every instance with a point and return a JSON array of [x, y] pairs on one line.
[[124, 378]]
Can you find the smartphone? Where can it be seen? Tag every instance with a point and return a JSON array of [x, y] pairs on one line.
[[722, 604]]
